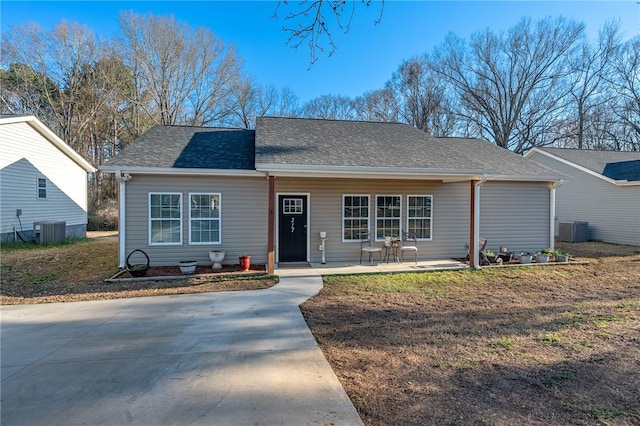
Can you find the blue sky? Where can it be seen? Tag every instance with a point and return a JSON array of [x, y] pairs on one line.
[[366, 56]]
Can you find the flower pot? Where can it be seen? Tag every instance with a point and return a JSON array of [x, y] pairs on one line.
[[542, 258], [525, 258], [245, 262], [187, 267], [216, 256], [138, 269], [561, 258]]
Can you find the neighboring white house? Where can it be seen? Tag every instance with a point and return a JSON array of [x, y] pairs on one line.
[[601, 188], [41, 180]]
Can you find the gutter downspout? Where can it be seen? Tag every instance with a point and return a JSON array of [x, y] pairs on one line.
[[552, 213], [122, 179], [476, 221]]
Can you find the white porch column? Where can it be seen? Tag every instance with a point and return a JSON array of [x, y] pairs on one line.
[[122, 179]]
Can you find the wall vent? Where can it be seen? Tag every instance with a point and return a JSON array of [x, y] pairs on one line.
[[48, 232], [573, 232]]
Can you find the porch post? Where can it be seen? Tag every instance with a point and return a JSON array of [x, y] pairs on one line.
[[271, 227], [473, 243]]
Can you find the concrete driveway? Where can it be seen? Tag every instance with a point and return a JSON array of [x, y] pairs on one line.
[[232, 358]]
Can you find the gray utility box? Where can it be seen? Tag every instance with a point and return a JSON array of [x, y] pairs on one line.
[[49, 231], [573, 232]]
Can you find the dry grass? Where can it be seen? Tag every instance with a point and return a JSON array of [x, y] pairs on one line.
[[76, 271], [537, 345]]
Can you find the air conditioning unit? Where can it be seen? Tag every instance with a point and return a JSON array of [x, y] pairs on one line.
[[573, 232], [47, 232]]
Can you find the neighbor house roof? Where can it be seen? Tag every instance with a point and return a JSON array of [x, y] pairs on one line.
[[163, 148], [614, 165], [302, 146], [49, 135]]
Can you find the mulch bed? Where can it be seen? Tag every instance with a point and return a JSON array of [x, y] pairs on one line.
[[174, 271]]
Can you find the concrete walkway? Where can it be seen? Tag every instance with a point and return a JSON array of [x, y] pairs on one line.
[[231, 358]]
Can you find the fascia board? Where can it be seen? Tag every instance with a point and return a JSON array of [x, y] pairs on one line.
[[521, 178], [366, 172], [180, 171], [581, 168], [52, 138]]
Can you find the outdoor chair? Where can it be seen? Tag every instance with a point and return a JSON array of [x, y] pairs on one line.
[[482, 245], [366, 247], [409, 244]]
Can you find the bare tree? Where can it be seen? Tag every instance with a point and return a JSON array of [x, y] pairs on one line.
[[309, 22], [329, 107], [511, 85], [377, 105], [626, 82], [187, 74]]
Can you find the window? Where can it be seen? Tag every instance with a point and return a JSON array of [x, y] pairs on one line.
[[42, 188], [355, 216], [165, 218], [292, 205], [419, 215], [387, 216], [204, 219]]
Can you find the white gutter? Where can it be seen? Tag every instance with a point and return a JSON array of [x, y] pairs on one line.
[[122, 179], [180, 171], [552, 213], [476, 222]]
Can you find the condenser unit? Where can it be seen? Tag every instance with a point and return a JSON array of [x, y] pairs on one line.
[[573, 232], [47, 232]]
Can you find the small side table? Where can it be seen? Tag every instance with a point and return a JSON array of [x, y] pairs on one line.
[[391, 250]]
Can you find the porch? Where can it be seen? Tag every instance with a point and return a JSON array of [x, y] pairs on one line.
[[343, 268]]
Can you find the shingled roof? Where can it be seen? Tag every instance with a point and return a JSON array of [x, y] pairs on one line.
[[189, 147], [616, 165], [381, 147]]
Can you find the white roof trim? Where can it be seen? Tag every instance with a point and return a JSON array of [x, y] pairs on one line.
[[180, 171], [581, 168], [51, 137]]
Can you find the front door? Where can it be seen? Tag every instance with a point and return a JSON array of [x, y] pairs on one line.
[[292, 228]]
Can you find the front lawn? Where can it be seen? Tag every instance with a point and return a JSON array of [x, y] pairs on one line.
[[552, 345]]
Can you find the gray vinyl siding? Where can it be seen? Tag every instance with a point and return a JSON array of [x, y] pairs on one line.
[[450, 216], [515, 215], [243, 217], [613, 212]]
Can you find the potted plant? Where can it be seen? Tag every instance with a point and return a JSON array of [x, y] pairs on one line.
[[561, 257], [138, 269], [187, 267], [216, 256], [526, 258], [491, 255], [544, 255], [245, 262]]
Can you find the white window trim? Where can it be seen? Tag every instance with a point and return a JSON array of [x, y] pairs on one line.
[[149, 218], [375, 206], [46, 189], [219, 242], [431, 217], [343, 217]]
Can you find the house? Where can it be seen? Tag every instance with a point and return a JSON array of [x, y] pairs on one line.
[[270, 192], [42, 180], [601, 188]]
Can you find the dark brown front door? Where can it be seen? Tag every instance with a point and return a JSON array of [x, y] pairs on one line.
[[292, 228]]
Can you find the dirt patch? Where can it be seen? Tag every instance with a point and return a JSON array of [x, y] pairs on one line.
[[538, 346]]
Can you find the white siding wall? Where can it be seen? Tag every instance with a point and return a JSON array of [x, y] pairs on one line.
[[244, 218], [613, 212], [515, 215], [27, 155]]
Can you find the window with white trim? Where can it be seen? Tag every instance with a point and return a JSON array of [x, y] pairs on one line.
[[355, 216], [165, 218], [388, 215], [204, 218], [42, 188], [419, 216]]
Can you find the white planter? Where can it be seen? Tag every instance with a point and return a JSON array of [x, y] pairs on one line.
[[561, 258], [525, 258], [216, 256], [188, 267]]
